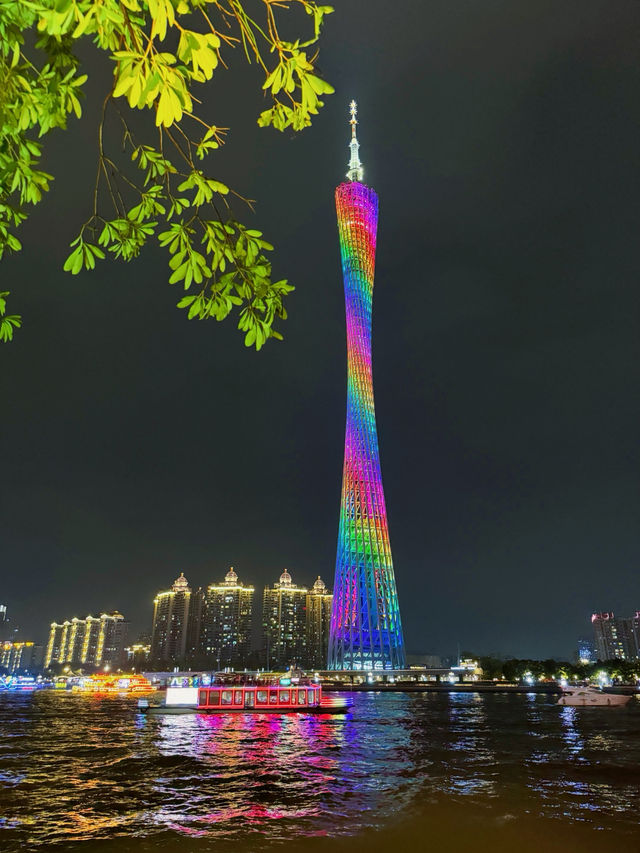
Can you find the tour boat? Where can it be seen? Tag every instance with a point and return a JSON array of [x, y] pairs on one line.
[[112, 684], [282, 697], [19, 683], [591, 697]]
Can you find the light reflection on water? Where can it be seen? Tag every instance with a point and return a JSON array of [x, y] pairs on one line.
[[80, 769]]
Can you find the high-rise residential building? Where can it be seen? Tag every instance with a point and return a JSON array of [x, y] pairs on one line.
[[173, 619], [614, 636], [112, 639], [635, 628], [318, 620], [226, 623], [94, 641], [366, 632], [138, 655], [8, 631], [20, 656], [194, 626], [284, 623]]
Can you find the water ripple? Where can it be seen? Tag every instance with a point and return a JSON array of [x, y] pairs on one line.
[[76, 769]]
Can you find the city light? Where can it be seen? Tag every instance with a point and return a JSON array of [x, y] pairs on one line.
[[366, 632]]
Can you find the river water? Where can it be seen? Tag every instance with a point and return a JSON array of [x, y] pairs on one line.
[[449, 772]]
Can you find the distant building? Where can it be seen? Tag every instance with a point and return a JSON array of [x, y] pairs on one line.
[[284, 623], [635, 629], [318, 622], [226, 623], [16, 657], [112, 639], [94, 641], [9, 631], [138, 655], [194, 626], [427, 660], [615, 636], [585, 653], [175, 628]]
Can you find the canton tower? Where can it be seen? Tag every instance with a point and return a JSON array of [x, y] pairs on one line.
[[366, 632]]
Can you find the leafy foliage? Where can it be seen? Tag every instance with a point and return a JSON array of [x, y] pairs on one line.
[[158, 189], [517, 669], [8, 322]]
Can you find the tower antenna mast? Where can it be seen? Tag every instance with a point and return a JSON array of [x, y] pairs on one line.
[[356, 171]]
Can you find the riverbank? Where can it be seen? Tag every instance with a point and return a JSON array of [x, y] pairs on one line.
[[461, 687], [439, 687]]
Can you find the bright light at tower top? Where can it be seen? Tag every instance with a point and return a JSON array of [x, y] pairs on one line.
[[356, 171]]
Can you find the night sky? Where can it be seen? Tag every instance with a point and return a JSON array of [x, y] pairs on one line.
[[503, 140]]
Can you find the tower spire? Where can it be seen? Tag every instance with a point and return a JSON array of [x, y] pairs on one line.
[[355, 166]]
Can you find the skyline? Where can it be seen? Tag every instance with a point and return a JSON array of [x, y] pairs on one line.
[[588, 635], [139, 445]]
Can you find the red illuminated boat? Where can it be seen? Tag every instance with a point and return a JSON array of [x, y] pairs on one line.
[[281, 696]]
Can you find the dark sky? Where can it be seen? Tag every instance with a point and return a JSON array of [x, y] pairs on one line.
[[504, 142]]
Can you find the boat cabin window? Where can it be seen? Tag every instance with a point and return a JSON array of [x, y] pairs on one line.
[[284, 697], [227, 695], [237, 697], [214, 697], [202, 697], [302, 697], [261, 697], [273, 697]]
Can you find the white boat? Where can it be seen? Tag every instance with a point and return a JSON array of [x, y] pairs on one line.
[[591, 697]]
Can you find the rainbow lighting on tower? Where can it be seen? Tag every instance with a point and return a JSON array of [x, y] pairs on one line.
[[365, 632]]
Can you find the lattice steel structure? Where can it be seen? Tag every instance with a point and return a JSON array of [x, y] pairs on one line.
[[366, 632]]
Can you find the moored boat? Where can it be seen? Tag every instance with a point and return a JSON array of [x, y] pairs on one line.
[[591, 697], [281, 696]]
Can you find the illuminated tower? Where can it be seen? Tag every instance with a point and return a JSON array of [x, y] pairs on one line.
[[366, 632]]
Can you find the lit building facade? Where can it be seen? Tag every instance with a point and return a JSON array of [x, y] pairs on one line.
[[318, 621], [226, 623], [15, 657], [635, 628], [585, 653], [615, 636], [366, 632], [4, 622], [94, 641], [175, 628], [138, 655], [284, 624]]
